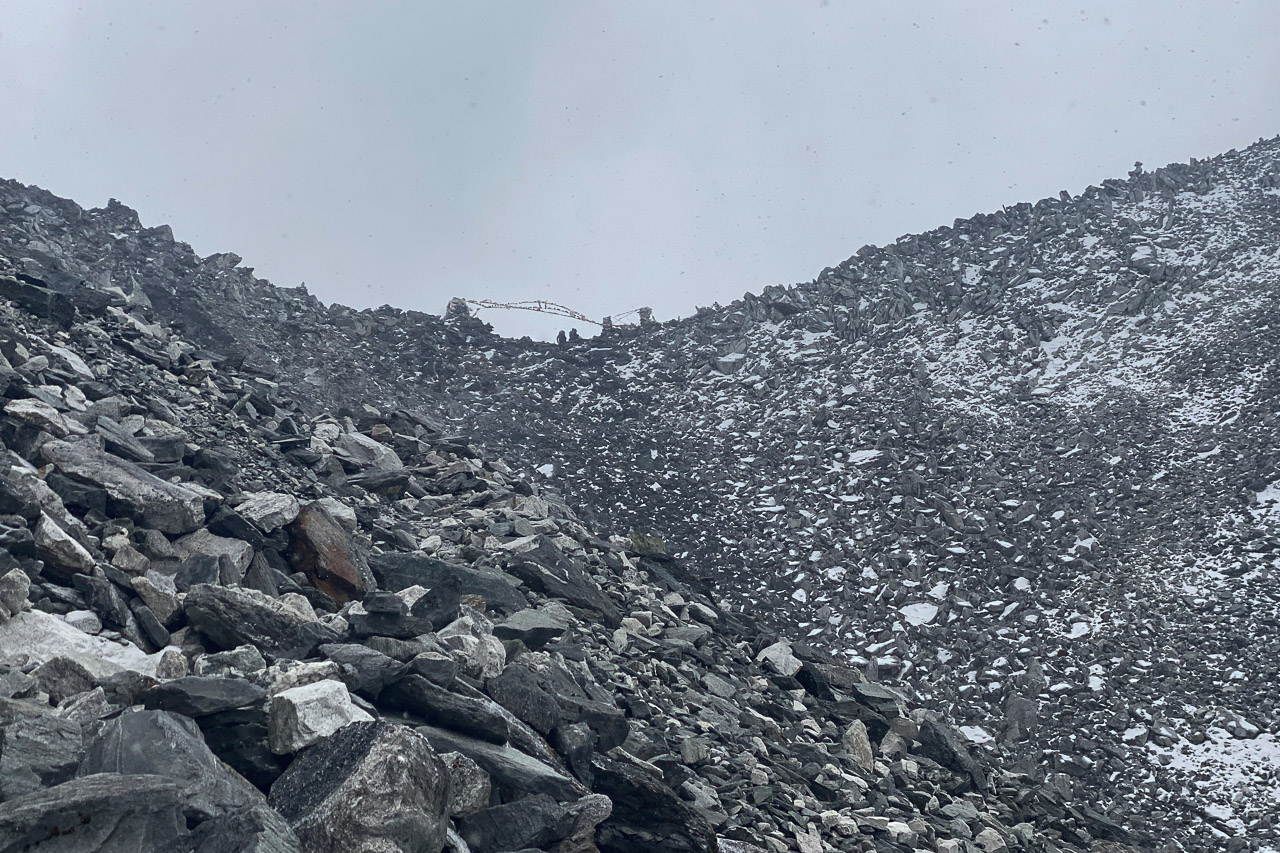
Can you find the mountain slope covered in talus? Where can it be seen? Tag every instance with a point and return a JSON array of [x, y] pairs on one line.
[[1026, 468]]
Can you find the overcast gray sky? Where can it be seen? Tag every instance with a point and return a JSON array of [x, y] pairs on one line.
[[606, 155]]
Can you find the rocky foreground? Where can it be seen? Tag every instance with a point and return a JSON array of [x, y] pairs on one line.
[[228, 622]]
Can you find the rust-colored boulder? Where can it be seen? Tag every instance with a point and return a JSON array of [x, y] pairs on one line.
[[321, 549]]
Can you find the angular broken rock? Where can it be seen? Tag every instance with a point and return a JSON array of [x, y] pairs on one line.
[[943, 742], [396, 571], [44, 417], [198, 696], [364, 670], [532, 822], [439, 707], [469, 785], [165, 506], [15, 586], [647, 815], [43, 637], [237, 617], [170, 745], [364, 452], [103, 812], [58, 549], [301, 716], [780, 658], [372, 786], [535, 628], [37, 752], [237, 553], [546, 568], [507, 765], [322, 550], [269, 511]]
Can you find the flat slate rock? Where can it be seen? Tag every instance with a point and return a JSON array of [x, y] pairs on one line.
[[506, 764], [197, 696], [396, 571]]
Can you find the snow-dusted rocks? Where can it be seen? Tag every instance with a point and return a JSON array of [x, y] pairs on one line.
[[1049, 424], [780, 658], [920, 613]]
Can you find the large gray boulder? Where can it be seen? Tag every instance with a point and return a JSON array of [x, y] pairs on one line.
[[37, 752], [102, 813], [165, 506], [239, 617], [372, 786], [164, 744]]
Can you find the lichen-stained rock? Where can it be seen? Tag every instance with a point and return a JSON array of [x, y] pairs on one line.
[[322, 550], [301, 716], [165, 506], [170, 745], [372, 786], [236, 617], [102, 813]]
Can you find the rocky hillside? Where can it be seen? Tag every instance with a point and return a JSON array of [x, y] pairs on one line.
[[1021, 474]]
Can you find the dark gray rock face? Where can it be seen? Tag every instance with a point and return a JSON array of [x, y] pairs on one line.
[[36, 753], [546, 569], [258, 830], [157, 503], [532, 822], [439, 707], [364, 670], [507, 765], [158, 743], [370, 786], [104, 813], [236, 617], [647, 815], [196, 696], [397, 571]]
